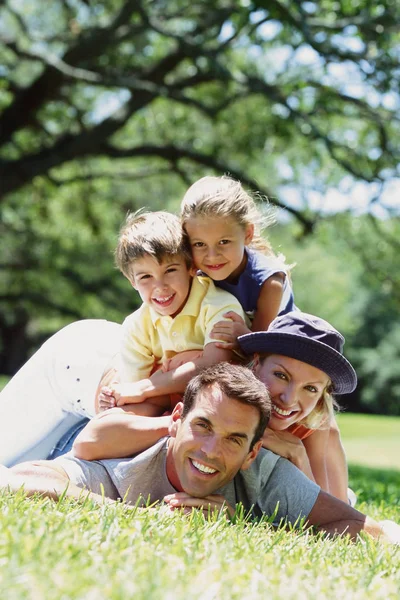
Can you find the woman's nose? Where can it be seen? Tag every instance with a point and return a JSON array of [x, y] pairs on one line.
[[288, 396]]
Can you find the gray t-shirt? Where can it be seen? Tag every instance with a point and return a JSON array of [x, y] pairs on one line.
[[270, 482]]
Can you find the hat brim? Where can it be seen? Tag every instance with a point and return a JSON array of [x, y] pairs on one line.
[[312, 352]]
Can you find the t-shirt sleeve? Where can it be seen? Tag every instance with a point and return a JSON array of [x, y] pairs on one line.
[[136, 356], [90, 475], [288, 492], [217, 304]]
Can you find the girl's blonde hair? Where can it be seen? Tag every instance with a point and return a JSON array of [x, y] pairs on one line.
[[225, 197]]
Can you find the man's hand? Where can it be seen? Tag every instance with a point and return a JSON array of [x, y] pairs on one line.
[[208, 505], [229, 331]]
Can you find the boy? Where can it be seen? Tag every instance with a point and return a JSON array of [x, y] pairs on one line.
[[167, 340]]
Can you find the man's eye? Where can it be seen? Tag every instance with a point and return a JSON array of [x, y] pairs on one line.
[[235, 440]]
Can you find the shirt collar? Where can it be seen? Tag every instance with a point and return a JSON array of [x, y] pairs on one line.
[[198, 290]]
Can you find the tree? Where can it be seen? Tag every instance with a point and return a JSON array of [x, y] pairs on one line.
[[114, 105]]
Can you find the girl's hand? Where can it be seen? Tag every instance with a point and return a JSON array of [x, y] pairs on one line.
[[227, 332], [208, 505]]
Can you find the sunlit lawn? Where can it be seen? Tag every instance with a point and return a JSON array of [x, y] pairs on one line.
[[371, 440], [70, 551]]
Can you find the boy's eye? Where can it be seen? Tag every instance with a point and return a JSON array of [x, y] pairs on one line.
[[144, 277], [171, 270]]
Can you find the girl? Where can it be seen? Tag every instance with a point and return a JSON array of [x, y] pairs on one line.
[[223, 225], [300, 360]]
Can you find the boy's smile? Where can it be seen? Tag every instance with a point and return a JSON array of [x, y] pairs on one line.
[[165, 286]]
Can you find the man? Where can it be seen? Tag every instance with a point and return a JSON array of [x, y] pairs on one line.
[[213, 458]]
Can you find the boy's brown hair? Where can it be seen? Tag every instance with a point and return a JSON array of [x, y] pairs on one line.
[[156, 234]]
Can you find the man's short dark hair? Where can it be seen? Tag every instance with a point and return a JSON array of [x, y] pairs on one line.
[[236, 382]]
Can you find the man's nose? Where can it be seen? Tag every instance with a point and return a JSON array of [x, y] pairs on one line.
[[211, 446]]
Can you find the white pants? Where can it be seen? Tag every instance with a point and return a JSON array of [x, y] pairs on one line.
[[54, 389]]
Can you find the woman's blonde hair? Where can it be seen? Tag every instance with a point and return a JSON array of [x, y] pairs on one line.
[[324, 411], [224, 197]]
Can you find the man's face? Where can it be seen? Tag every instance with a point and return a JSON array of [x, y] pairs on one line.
[[212, 443]]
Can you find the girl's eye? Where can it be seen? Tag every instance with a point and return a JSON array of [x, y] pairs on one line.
[[198, 245], [224, 242]]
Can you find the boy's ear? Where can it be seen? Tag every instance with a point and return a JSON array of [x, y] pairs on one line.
[[175, 419], [249, 234], [132, 282]]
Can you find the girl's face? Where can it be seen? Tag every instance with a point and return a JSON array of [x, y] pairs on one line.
[[218, 245], [295, 388]]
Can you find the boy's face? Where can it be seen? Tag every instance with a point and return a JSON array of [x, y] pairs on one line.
[[164, 286]]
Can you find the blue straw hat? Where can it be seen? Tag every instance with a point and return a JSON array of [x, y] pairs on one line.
[[309, 339]]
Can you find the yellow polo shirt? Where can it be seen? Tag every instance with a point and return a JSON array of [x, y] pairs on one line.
[[149, 338]]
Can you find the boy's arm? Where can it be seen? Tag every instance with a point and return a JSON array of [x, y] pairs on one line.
[[176, 380], [120, 432]]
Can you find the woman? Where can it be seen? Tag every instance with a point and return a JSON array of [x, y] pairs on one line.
[[300, 360]]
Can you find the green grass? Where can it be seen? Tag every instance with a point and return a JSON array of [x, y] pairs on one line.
[[68, 551], [371, 440]]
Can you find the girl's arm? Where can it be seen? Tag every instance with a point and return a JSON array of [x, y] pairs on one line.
[[268, 302]]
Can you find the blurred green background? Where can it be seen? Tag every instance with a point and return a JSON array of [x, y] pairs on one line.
[[106, 107]]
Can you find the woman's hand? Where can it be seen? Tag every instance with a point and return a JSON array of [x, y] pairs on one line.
[[288, 446], [227, 332]]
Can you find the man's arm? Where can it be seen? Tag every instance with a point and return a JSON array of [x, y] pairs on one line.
[[336, 517], [47, 479]]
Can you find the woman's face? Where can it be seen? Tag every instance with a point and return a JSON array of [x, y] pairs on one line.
[[295, 388]]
